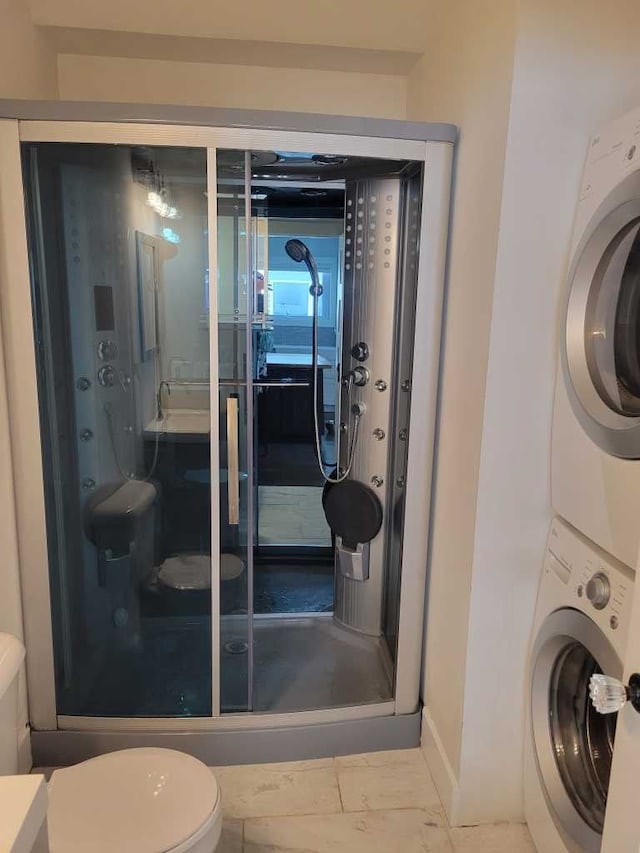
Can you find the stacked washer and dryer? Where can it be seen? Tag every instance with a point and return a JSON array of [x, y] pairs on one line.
[[584, 600]]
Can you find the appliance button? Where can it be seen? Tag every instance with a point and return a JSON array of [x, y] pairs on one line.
[[599, 590]]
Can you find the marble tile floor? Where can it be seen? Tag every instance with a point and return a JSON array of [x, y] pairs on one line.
[[379, 802], [382, 802]]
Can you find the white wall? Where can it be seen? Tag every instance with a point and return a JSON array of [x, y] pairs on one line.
[[576, 64], [465, 78], [27, 62], [10, 591], [354, 23], [155, 81]]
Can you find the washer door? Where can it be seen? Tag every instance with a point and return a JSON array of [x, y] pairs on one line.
[[601, 344], [573, 744]]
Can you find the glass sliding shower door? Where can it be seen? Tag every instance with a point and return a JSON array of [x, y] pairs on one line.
[[119, 247]]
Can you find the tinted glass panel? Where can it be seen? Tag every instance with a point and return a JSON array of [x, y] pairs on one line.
[[118, 241]]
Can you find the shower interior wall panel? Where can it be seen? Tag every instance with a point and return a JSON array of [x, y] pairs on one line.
[[372, 279], [400, 391]]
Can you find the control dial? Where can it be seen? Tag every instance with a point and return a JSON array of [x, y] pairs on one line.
[[360, 351], [107, 376], [599, 590]]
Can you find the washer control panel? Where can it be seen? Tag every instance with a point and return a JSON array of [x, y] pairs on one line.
[[581, 575]]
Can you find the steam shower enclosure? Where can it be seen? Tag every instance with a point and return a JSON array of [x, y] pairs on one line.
[[222, 455]]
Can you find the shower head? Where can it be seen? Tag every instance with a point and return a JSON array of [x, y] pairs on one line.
[[297, 250], [300, 252]]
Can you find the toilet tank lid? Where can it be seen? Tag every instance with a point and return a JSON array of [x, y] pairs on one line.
[[11, 657]]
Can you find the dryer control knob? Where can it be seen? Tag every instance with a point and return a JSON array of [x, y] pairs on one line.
[[599, 590]]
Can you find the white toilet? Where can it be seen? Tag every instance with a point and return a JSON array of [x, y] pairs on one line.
[[133, 801]]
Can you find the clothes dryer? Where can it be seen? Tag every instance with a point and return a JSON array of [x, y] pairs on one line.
[[595, 462]]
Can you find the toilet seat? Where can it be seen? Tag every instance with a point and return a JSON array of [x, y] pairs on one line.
[[143, 800]]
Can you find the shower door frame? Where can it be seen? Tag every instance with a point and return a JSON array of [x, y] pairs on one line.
[[15, 301]]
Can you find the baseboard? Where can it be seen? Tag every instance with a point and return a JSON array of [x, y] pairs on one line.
[[25, 761], [441, 770]]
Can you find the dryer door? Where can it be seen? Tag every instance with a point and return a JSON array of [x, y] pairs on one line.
[[601, 344], [573, 744]]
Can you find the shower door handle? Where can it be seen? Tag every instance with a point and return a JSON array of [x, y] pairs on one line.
[[233, 466]]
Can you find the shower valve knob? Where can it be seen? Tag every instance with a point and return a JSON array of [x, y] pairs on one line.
[[609, 695], [107, 350], [361, 376], [360, 351], [107, 376]]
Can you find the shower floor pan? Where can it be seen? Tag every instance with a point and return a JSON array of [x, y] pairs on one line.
[[302, 664]]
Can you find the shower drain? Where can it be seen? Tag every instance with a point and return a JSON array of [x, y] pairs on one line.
[[236, 647]]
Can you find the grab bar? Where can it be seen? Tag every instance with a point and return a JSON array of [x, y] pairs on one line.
[[233, 466]]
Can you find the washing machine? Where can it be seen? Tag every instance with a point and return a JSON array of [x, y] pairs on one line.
[[580, 628], [595, 464]]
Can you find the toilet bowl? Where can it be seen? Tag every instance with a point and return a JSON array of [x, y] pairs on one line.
[[144, 800]]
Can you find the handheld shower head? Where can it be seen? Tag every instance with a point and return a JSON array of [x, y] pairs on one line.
[[297, 250], [300, 252]]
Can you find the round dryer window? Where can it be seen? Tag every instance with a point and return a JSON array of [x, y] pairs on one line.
[[601, 345], [573, 744]]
